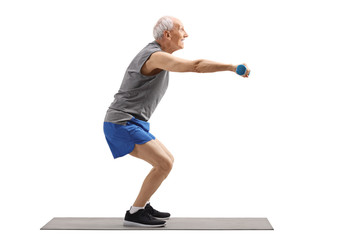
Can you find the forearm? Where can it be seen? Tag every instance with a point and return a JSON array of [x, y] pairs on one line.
[[207, 66]]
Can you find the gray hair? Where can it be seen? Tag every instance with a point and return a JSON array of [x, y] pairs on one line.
[[163, 24]]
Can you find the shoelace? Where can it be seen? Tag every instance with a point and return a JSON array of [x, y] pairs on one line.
[[146, 214], [150, 209]]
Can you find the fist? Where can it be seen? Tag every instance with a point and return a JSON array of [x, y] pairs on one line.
[[242, 70], [247, 72]]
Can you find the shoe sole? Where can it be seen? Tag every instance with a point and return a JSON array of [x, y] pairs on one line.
[[167, 218], [135, 224]]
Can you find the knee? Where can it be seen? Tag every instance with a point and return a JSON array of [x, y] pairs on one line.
[[165, 165], [171, 158]]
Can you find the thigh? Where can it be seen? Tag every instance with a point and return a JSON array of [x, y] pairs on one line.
[[165, 149], [152, 153]]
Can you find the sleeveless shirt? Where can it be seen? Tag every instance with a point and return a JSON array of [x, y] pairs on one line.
[[138, 95]]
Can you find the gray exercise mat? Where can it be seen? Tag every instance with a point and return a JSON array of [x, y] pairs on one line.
[[171, 224]]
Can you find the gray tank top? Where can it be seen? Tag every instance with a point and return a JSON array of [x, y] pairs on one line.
[[138, 95]]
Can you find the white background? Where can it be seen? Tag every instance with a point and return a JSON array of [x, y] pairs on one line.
[[282, 144]]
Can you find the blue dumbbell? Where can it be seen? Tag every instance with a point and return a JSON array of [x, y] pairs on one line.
[[241, 70]]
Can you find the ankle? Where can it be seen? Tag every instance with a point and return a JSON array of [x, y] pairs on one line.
[[134, 209]]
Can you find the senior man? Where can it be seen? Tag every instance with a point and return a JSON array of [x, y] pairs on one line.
[[126, 124]]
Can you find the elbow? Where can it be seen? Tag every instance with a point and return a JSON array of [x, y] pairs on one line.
[[197, 66]]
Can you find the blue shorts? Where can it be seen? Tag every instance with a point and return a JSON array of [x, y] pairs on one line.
[[122, 139]]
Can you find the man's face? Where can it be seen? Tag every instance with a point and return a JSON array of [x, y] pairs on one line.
[[178, 35]]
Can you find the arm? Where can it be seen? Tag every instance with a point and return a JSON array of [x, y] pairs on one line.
[[166, 61], [207, 66]]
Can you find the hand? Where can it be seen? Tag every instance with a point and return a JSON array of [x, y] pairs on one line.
[[247, 72], [239, 69]]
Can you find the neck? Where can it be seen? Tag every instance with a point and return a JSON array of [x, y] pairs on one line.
[[165, 46]]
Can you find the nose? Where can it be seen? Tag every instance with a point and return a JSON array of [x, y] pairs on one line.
[[186, 35]]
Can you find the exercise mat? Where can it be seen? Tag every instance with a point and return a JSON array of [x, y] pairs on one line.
[[77, 223]]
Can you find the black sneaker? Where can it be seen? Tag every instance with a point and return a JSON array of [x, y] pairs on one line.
[[156, 214], [142, 218]]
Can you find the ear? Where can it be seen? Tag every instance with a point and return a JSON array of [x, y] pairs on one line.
[[167, 34]]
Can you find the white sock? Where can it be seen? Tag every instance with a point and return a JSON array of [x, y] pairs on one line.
[[135, 209]]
